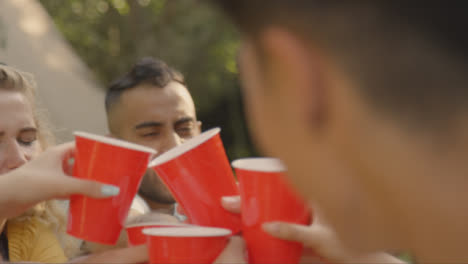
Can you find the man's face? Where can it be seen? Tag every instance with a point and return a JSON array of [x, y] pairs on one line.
[[160, 118], [305, 118]]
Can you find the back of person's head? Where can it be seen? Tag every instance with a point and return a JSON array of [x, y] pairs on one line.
[[366, 102], [146, 71], [408, 58]]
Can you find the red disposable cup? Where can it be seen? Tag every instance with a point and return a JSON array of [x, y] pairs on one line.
[[267, 197], [108, 161], [186, 244], [198, 174], [135, 235]]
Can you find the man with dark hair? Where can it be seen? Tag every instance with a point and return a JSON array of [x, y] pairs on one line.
[[366, 102], [151, 106]]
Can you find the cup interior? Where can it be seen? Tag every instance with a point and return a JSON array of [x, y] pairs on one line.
[[185, 147], [260, 164], [185, 232], [114, 142]]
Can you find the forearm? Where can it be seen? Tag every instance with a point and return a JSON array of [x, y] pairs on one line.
[[9, 190], [15, 193]]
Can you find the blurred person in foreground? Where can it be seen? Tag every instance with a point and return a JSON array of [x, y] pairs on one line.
[[366, 102], [150, 105], [32, 230]]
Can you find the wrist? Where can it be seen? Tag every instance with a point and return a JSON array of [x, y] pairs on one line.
[[13, 189]]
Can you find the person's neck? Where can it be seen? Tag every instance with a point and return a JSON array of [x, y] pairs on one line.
[[443, 232], [438, 231], [427, 210], [155, 206]]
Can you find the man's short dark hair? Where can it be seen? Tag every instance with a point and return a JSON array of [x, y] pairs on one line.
[[408, 58], [146, 71]]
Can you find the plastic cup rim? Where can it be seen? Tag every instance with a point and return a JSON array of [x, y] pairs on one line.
[[185, 147], [114, 142], [262, 164], [187, 232]]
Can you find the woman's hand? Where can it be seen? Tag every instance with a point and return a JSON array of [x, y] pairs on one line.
[[44, 178]]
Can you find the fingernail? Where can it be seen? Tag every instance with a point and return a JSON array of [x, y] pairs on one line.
[[230, 199], [109, 190], [271, 227]]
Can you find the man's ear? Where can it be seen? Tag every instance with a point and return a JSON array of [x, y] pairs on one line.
[[111, 135], [297, 67], [198, 126]]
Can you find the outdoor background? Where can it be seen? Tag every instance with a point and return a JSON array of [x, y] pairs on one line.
[[111, 35]]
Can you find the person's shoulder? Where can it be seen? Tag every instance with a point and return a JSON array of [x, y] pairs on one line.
[[26, 231], [35, 240], [24, 227], [22, 233]]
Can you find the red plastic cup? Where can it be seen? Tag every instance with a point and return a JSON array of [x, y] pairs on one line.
[[108, 161], [266, 197], [135, 235], [198, 174], [186, 244]]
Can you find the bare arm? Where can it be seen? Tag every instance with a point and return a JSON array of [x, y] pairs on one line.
[[42, 179]]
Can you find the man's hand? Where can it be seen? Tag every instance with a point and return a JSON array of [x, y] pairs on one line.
[[234, 252], [321, 239], [231, 204], [318, 239]]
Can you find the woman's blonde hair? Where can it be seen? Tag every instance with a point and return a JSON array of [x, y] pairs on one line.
[[23, 82], [49, 212]]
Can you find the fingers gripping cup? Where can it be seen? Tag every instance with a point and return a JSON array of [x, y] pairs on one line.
[[198, 174], [186, 244], [266, 197], [108, 161]]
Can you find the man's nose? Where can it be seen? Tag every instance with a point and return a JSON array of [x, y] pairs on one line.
[[172, 141]]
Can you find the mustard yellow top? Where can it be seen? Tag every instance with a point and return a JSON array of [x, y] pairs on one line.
[[34, 241]]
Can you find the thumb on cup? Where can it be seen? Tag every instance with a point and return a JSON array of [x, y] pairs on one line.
[[231, 203], [294, 232]]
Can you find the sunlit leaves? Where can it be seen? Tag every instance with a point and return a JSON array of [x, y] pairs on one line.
[[110, 35]]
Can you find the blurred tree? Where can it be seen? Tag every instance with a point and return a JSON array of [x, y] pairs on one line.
[[111, 35]]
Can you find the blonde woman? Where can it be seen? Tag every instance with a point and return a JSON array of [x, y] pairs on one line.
[[37, 235]]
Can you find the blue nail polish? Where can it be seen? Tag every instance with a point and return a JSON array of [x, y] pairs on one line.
[[110, 190]]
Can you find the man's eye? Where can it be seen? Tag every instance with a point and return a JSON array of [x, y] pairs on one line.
[[185, 131], [152, 134]]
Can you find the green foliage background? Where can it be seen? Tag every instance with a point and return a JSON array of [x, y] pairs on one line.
[[111, 35]]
